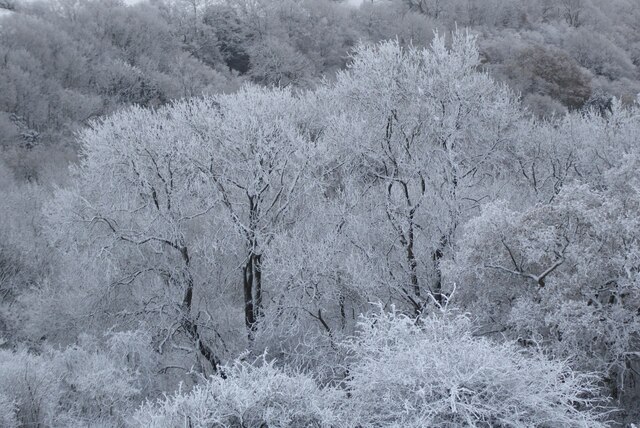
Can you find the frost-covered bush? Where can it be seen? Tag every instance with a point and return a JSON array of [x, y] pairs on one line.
[[250, 396], [7, 412], [133, 349], [434, 373], [64, 388], [94, 387], [30, 383]]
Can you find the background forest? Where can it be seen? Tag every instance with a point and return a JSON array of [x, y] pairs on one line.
[[259, 213]]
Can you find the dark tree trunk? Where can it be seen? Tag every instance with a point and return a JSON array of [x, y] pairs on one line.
[[249, 313], [188, 323], [343, 314], [411, 259], [252, 272], [437, 256], [252, 287], [257, 277]]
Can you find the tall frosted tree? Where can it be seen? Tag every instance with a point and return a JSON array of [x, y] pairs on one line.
[[132, 205], [561, 271], [254, 154], [183, 201], [422, 133]]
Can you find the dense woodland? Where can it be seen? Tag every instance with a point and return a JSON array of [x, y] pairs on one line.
[[292, 213]]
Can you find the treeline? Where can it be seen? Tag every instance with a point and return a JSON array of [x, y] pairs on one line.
[[301, 258], [278, 222], [66, 62]]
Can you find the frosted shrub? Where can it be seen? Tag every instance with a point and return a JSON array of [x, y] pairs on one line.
[[7, 412], [435, 373], [63, 388], [405, 373], [134, 349], [29, 382], [250, 396], [95, 387]]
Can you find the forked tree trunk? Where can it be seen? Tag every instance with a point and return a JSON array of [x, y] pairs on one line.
[[252, 272]]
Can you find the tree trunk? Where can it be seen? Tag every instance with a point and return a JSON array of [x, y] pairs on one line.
[[188, 323], [257, 277], [437, 255], [249, 314], [411, 259], [252, 287], [252, 272]]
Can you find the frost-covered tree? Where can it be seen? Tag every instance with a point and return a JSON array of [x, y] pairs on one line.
[[255, 155], [181, 204], [134, 207], [422, 135], [561, 275]]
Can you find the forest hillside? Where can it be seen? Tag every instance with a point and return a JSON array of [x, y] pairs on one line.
[[315, 213]]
